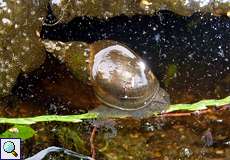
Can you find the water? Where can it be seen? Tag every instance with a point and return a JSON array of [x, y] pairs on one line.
[[189, 55]]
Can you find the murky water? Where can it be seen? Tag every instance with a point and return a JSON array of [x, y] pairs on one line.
[[189, 55]]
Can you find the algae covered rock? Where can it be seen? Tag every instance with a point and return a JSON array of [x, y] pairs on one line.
[[20, 47], [66, 10], [74, 54]]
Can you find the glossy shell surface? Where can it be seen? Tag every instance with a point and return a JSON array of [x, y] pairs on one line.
[[121, 79]]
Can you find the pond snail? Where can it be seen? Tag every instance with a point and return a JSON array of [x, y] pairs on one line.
[[120, 78]]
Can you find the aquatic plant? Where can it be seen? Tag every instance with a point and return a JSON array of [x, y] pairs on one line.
[[201, 105]]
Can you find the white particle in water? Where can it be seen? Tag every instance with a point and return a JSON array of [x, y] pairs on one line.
[[37, 33], [157, 37], [58, 48], [6, 21], [8, 84], [8, 10], [57, 2], [220, 52], [85, 54], [16, 26], [25, 48], [228, 13], [32, 12]]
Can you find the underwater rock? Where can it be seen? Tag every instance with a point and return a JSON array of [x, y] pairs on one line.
[[66, 10], [73, 54], [21, 49]]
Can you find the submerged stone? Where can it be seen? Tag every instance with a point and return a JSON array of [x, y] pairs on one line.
[[20, 48], [66, 10]]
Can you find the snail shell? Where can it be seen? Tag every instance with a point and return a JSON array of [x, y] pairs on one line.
[[120, 78]]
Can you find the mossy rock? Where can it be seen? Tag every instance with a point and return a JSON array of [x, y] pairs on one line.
[[20, 49], [66, 10]]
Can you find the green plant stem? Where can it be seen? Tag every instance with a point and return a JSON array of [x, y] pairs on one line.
[[49, 118], [201, 105]]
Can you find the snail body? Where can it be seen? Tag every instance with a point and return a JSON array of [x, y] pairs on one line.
[[121, 80]]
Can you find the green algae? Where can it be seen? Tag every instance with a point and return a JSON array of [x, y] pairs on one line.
[[171, 72], [71, 138]]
